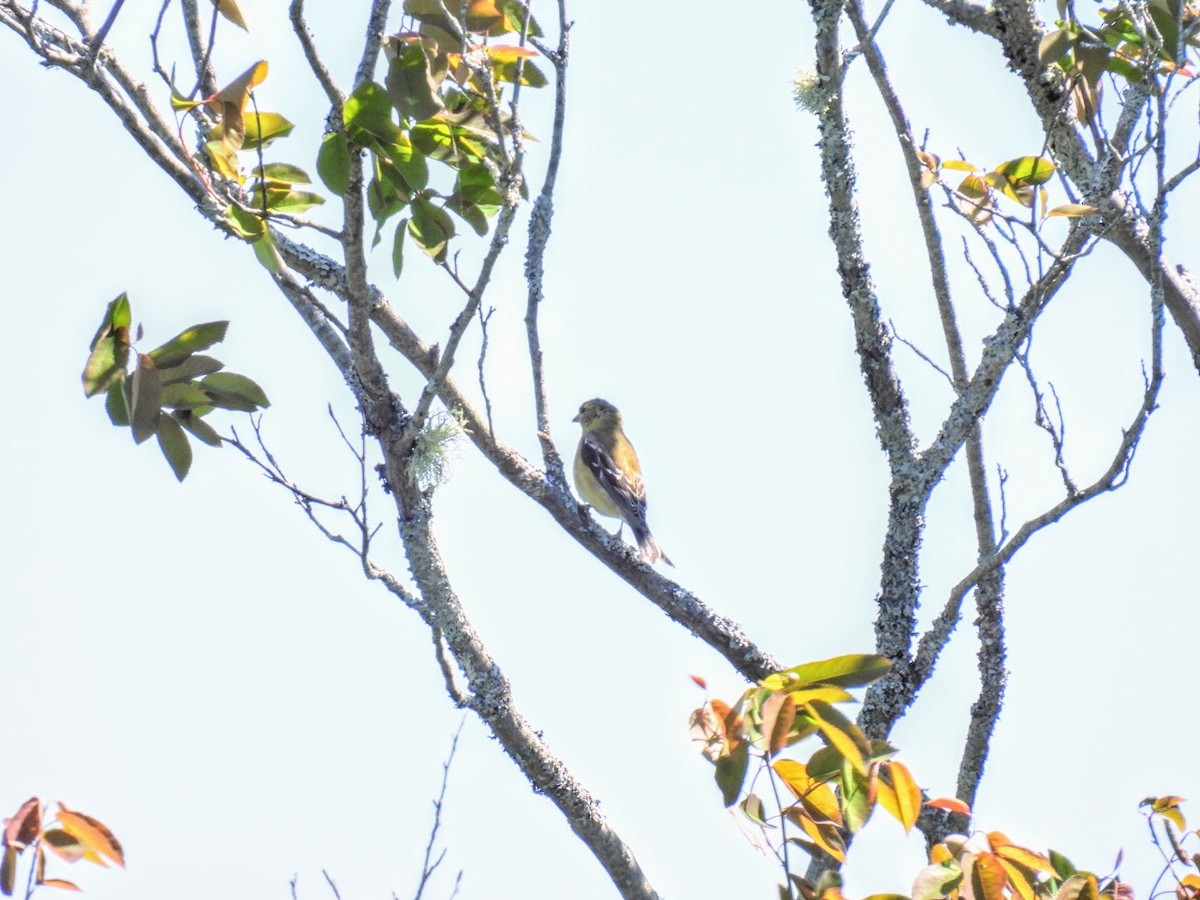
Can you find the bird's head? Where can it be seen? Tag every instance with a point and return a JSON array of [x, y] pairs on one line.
[[596, 411]]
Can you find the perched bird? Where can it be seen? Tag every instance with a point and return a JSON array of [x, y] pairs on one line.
[[608, 477]]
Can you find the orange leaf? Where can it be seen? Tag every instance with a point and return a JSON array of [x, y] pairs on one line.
[[92, 833], [61, 883], [987, 877], [23, 827], [950, 804], [699, 681]]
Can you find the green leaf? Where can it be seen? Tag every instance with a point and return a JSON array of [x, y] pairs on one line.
[[398, 247], [469, 213], [192, 367], [401, 162], [248, 225], [185, 395], [184, 344], [200, 429], [368, 116], [333, 162], [232, 391], [856, 798], [1027, 170], [431, 227], [145, 398], [413, 78], [826, 763], [117, 315], [175, 446], [1055, 45], [116, 404], [437, 22], [285, 201], [264, 127], [285, 173], [268, 253], [1063, 867], [105, 364], [852, 670], [731, 772], [451, 144]]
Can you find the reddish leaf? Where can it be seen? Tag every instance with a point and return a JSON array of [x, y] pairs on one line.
[[699, 681], [778, 713], [23, 827]]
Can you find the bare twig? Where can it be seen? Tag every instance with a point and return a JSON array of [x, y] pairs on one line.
[[483, 348], [429, 865]]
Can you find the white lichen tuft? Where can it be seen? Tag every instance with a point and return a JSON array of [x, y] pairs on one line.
[[435, 450], [807, 92]]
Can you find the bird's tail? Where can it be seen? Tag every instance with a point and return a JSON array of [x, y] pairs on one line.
[[649, 549]]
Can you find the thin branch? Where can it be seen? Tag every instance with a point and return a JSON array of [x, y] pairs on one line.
[[332, 885], [539, 235], [206, 77], [296, 14], [98, 40]]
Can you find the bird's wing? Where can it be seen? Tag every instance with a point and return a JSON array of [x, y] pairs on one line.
[[628, 492]]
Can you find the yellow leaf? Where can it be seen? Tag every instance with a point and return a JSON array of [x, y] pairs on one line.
[[825, 835], [960, 165], [231, 11], [1018, 879], [899, 794], [238, 90]]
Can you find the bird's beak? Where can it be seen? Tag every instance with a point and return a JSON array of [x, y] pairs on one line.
[[577, 415]]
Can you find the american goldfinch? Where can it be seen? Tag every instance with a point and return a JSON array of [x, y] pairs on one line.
[[608, 477]]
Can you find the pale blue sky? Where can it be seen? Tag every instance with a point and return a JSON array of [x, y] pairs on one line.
[[197, 667]]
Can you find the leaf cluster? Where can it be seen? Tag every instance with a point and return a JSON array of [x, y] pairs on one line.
[[832, 794], [170, 389], [68, 835], [268, 188], [1018, 180], [1121, 45], [440, 102]]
